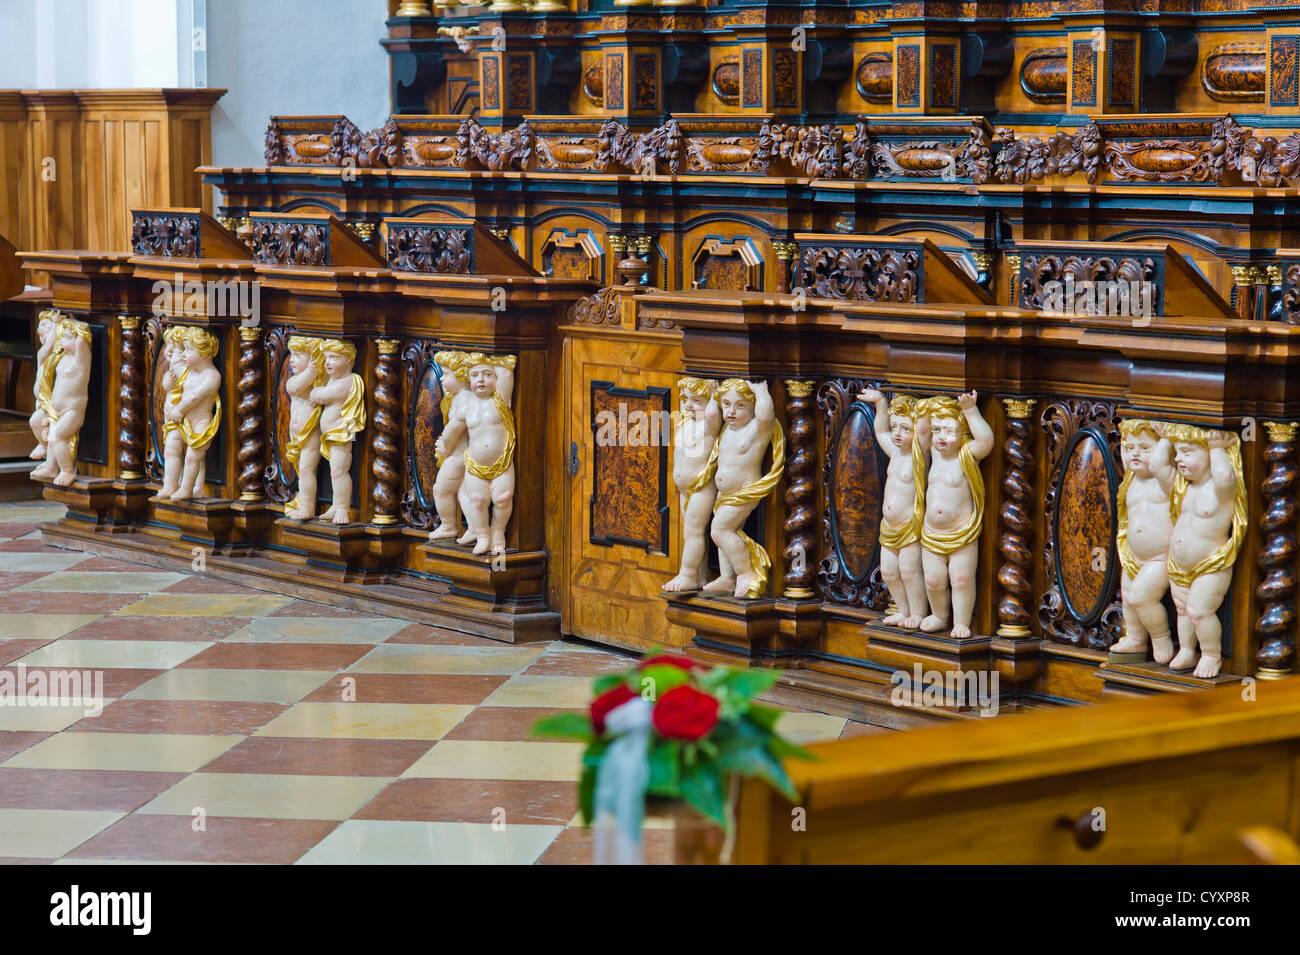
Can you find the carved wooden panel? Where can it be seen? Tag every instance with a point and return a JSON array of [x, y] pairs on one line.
[[645, 81], [629, 499], [751, 78], [1047, 279], [614, 81], [174, 235], [431, 248], [862, 274], [733, 263], [424, 423], [286, 242], [567, 254], [1081, 604], [1121, 86], [853, 480], [943, 76], [491, 82], [785, 77], [519, 81], [907, 76], [1083, 78]]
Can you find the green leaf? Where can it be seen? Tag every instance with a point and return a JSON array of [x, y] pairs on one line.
[[783, 748], [665, 769], [702, 790], [587, 794], [764, 716], [659, 679], [565, 726], [750, 683], [603, 684]]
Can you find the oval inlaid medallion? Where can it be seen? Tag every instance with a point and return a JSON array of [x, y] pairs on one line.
[[1236, 71], [432, 150], [1085, 525], [1163, 159], [426, 426], [572, 153], [593, 84], [875, 77], [855, 495], [726, 154], [1043, 74], [726, 81], [311, 147], [923, 160]]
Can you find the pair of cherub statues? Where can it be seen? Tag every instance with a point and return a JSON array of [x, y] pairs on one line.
[[721, 439], [476, 451], [1181, 520], [327, 410], [61, 389]]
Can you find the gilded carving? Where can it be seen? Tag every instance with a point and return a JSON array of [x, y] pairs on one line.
[[695, 460], [62, 394], [191, 412], [342, 402]]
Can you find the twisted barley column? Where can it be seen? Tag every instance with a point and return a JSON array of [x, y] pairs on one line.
[[1017, 524], [131, 424], [251, 412], [1276, 592], [383, 438], [801, 513]]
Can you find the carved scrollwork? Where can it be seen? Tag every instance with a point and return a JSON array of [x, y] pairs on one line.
[[476, 148], [273, 144], [431, 249], [836, 581], [603, 308], [153, 459], [1061, 421], [172, 235], [278, 485], [858, 274], [282, 242], [1042, 276], [417, 506], [1038, 157]]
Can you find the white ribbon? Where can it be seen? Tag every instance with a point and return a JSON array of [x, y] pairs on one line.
[[621, 781]]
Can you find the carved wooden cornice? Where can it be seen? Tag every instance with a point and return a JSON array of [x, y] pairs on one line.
[[1197, 148]]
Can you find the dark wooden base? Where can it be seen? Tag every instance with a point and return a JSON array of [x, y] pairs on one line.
[[1143, 679], [336, 552], [108, 505], [406, 595]]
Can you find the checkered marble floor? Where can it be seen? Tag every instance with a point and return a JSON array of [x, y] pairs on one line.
[[246, 727]]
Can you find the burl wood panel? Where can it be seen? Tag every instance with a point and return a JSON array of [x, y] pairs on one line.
[[855, 496], [724, 272], [628, 502], [1086, 526], [569, 264], [426, 425]]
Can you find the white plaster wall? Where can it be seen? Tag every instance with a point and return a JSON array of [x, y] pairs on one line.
[[272, 56]]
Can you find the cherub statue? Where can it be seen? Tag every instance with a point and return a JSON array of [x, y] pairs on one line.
[[450, 482], [307, 372], [751, 426], [483, 418], [905, 438], [66, 411], [342, 400], [192, 414], [1208, 504], [47, 358], [954, 510], [1142, 539], [695, 459]]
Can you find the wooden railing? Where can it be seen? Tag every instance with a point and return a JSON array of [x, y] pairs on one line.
[[1207, 778]]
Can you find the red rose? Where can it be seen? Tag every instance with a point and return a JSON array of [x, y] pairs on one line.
[[607, 701], [670, 660], [685, 713]]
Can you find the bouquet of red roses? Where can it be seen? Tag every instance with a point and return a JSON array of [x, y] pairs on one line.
[[681, 730]]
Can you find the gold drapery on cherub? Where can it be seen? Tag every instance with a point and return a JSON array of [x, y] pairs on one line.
[[498, 467], [298, 440], [1223, 556], [352, 416], [205, 343], [949, 542]]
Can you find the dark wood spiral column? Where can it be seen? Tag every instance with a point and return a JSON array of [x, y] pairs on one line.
[[1276, 592], [131, 420], [251, 412], [800, 505], [1016, 542], [384, 437]]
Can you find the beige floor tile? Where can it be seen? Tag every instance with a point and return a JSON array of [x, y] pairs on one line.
[[48, 833], [472, 759], [367, 720], [259, 796], [115, 654], [403, 658], [318, 630], [564, 692], [810, 727], [80, 861], [204, 605], [42, 719], [380, 842], [42, 626], [101, 582], [29, 562], [251, 686], [25, 512], [163, 753]]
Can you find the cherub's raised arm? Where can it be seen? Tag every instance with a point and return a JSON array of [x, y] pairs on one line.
[[1222, 473], [1162, 463], [884, 436], [981, 435], [505, 382], [764, 411], [713, 416]]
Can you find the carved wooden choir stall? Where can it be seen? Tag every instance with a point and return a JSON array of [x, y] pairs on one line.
[[847, 339]]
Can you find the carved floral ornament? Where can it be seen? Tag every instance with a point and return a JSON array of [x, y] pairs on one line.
[[1158, 154]]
